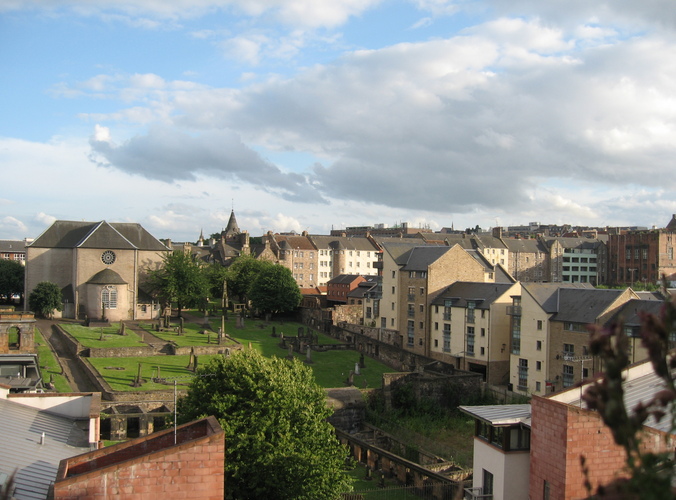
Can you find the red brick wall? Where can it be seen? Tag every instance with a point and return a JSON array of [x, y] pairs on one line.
[[191, 470], [561, 434]]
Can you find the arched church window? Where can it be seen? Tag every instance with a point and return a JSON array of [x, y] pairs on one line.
[[109, 297]]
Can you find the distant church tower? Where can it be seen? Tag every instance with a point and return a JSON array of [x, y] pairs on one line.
[[231, 231]]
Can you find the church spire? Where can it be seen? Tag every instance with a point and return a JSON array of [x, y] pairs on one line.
[[232, 229]]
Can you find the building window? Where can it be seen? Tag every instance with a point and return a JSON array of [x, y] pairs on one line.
[[545, 490], [483, 332], [447, 338], [109, 297], [471, 305], [411, 330], [538, 345], [539, 324], [568, 376], [523, 374], [483, 351], [538, 365], [436, 325], [568, 350], [538, 387], [470, 340], [487, 488], [436, 342]]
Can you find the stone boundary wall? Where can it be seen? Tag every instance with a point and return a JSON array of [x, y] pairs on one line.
[[117, 352], [435, 485]]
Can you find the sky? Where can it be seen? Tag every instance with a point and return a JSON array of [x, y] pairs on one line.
[[320, 114]]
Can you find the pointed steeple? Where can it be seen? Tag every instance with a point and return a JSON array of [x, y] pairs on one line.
[[232, 229]]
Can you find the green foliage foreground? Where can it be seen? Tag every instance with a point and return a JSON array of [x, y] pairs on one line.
[[45, 298], [279, 444]]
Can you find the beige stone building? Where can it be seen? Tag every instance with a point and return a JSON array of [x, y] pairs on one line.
[[469, 328], [100, 268]]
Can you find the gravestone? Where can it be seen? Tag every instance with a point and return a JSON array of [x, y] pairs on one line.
[[300, 331], [308, 356], [274, 331], [180, 325], [361, 361], [123, 328], [356, 369]]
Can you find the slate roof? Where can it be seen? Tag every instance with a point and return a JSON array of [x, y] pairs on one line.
[[469, 290], [584, 306], [525, 245], [546, 294], [629, 312], [35, 464], [107, 277], [295, 242], [419, 258], [344, 242], [7, 246], [116, 235], [345, 279]]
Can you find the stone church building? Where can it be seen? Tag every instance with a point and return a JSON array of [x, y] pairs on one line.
[[99, 266]]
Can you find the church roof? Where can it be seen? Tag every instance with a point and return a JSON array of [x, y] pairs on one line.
[[115, 235], [106, 277]]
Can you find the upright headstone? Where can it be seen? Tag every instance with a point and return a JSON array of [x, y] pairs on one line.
[[180, 325], [361, 361], [123, 330], [274, 331], [356, 369], [308, 356], [300, 331], [350, 378]]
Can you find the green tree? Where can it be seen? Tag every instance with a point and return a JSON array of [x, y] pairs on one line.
[[11, 278], [274, 416], [218, 278], [181, 279], [243, 271], [274, 290], [45, 298]]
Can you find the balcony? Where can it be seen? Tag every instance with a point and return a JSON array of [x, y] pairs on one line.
[[477, 494], [514, 310]]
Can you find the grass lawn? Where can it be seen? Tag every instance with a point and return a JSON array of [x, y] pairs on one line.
[[49, 366], [91, 337], [121, 372], [192, 335], [371, 489], [331, 368]]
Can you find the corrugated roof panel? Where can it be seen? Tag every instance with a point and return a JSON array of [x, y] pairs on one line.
[[22, 452]]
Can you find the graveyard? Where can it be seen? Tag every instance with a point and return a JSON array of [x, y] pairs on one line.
[[145, 357]]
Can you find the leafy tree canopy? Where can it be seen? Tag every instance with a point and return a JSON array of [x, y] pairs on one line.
[[243, 272], [181, 279], [11, 278], [274, 416], [45, 298], [274, 290]]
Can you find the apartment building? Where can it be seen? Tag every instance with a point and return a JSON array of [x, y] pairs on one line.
[[297, 253], [549, 341], [424, 271], [577, 260], [344, 255], [470, 328], [13, 250], [642, 256]]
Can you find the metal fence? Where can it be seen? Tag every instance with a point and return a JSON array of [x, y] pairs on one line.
[[437, 491]]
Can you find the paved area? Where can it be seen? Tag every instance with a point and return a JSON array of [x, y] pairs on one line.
[[78, 380]]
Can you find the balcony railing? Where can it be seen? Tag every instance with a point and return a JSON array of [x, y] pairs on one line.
[[477, 494], [514, 310]]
